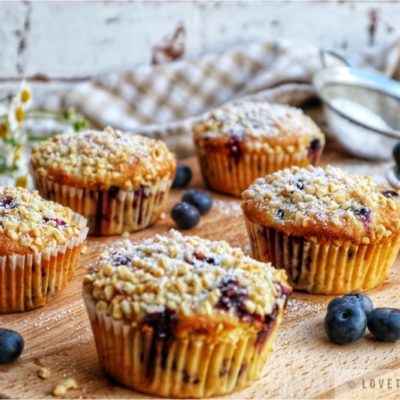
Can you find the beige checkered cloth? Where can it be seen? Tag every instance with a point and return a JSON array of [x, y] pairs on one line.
[[164, 100]]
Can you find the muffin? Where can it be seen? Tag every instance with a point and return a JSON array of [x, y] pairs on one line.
[[40, 243], [243, 141], [118, 181], [183, 316], [333, 233]]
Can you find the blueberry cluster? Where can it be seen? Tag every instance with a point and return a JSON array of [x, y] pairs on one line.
[[349, 316], [194, 202], [11, 345]]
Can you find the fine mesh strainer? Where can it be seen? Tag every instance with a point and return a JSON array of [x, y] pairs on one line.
[[362, 109]]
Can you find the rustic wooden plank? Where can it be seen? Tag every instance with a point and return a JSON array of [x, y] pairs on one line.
[[304, 365]]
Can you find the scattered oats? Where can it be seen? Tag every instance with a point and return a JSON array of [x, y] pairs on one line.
[[44, 373], [61, 389]]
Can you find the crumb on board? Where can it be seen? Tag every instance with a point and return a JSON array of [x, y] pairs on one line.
[[84, 249], [61, 389], [125, 235], [44, 373], [163, 215]]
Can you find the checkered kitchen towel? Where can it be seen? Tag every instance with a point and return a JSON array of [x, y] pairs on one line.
[[164, 100]]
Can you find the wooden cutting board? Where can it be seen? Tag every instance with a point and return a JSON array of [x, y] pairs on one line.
[[304, 364]]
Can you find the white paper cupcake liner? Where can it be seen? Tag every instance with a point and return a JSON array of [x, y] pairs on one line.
[[324, 267], [29, 281], [113, 211], [178, 367], [230, 175]]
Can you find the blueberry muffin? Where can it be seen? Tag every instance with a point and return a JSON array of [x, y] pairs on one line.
[[183, 316], [243, 141], [332, 232], [40, 243], [118, 181]]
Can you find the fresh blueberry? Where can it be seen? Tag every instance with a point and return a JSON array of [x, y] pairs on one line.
[[384, 323], [345, 323], [355, 298], [11, 345], [183, 176], [201, 199], [396, 154], [185, 215]]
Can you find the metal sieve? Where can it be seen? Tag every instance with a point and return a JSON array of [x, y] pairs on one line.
[[362, 109]]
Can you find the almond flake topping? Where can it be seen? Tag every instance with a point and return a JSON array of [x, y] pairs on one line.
[[104, 158], [182, 274], [33, 222]]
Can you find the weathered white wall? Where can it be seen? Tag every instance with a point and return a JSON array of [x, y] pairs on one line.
[[70, 39]]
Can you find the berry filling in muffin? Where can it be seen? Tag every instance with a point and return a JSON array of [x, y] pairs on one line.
[[7, 203], [390, 194], [234, 146], [314, 150]]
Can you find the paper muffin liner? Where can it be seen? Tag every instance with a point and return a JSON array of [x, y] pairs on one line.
[[329, 267], [178, 367], [232, 175], [29, 281], [112, 211]]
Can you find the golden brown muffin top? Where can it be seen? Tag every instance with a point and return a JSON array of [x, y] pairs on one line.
[[101, 159], [204, 281], [275, 124], [30, 224], [324, 204]]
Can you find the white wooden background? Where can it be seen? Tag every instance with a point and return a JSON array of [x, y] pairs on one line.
[[72, 39]]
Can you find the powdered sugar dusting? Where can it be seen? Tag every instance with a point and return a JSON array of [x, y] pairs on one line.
[[298, 308], [228, 207], [257, 119], [330, 197]]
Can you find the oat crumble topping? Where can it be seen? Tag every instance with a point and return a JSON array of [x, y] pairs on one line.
[[33, 222], [330, 197], [182, 274], [103, 158], [257, 120]]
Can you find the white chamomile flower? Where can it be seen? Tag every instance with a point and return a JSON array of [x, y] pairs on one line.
[[13, 123], [25, 94]]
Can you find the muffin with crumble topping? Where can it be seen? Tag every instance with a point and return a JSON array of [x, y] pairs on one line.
[[332, 232], [243, 141], [118, 181], [40, 243], [183, 316]]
